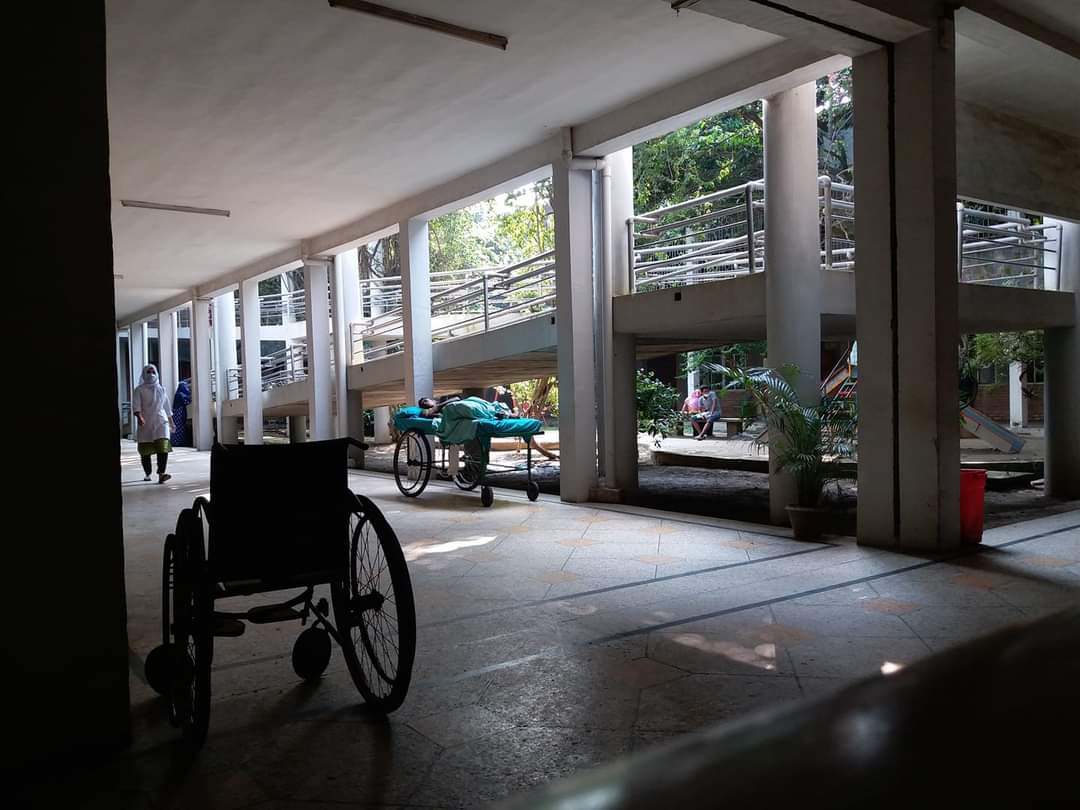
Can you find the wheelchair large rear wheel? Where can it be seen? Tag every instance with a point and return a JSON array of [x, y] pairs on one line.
[[192, 631], [412, 463], [374, 610], [159, 664]]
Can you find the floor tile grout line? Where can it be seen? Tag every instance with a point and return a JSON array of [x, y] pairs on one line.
[[813, 591], [623, 586]]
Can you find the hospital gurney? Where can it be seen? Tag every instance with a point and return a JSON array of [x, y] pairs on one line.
[[414, 457]]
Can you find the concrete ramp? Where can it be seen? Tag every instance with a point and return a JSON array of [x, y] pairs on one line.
[[985, 428]]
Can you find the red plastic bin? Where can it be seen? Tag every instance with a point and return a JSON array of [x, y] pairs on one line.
[[972, 505]]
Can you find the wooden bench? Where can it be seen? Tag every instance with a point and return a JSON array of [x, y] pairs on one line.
[[729, 422]]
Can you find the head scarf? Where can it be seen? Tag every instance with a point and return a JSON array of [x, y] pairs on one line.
[[149, 375]]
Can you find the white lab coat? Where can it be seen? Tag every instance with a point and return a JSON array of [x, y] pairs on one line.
[[153, 403]]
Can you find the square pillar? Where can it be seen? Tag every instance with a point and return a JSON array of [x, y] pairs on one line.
[[1018, 405], [416, 309], [345, 299], [319, 377], [1061, 392], [575, 324], [620, 372], [202, 412], [354, 412], [123, 386], [136, 361], [906, 296], [793, 274], [169, 371], [225, 362], [251, 362]]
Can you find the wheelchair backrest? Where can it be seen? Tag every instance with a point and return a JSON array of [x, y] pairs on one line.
[[278, 512]]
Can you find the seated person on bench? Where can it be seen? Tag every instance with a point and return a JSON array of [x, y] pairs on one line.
[[710, 413]]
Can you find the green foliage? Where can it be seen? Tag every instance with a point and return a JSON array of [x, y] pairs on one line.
[[524, 227], [541, 394], [458, 241], [657, 406], [730, 354], [716, 152], [1007, 347], [810, 437], [727, 149], [836, 122]]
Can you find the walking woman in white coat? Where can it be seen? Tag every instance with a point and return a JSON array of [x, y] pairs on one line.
[[151, 408]]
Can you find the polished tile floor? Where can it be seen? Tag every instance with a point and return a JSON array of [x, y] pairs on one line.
[[552, 637]]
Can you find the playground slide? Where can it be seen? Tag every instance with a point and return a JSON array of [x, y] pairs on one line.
[[990, 431]]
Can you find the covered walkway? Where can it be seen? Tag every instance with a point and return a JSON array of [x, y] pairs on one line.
[[554, 636]]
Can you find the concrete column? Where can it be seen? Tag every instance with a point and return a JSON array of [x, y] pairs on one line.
[[123, 386], [354, 412], [416, 308], [1051, 259], [1061, 393], [225, 360], [907, 300], [251, 348], [793, 266], [320, 380], [1018, 405], [169, 370], [202, 412], [136, 361], [345, 298], [382, 425], [572, 198], [621, 361], [298, 425]]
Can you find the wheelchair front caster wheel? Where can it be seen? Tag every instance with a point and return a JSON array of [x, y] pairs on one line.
[[311, 653], [532, 489], [158, 668], [487, 496]]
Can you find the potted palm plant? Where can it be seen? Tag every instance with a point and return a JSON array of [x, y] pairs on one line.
[[806, 439]]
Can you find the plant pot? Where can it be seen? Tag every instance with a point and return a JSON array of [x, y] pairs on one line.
[[807, 522]]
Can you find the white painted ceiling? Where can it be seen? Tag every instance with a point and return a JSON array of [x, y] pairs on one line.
[[299, 118]]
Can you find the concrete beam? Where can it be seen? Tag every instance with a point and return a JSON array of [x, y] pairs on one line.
[[763, 73], [891, 22], [1010, 309], [1023, 25]]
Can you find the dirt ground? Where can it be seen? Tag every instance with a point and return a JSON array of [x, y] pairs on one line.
[[737, 495]]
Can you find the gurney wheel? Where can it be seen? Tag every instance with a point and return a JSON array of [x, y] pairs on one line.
[[487, 496], [412, 463], [374, 611], [468, 476], [532, 489]]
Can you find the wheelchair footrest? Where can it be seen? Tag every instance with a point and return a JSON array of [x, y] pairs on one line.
[[224, 626], [273, 613]]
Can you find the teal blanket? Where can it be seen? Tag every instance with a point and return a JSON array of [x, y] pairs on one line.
[[456, 424]]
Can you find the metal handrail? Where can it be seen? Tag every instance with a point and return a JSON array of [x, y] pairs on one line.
[[471, 300], [727, 240]]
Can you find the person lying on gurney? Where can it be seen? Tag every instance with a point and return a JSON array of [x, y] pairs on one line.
[[477, 408]]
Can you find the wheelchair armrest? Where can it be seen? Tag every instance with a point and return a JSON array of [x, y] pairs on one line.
[[357, 443]]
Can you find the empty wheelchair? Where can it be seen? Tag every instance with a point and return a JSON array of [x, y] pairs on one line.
[[283, 518]]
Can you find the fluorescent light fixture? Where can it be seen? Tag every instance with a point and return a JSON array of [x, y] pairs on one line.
[[183, 209], [470, 34]]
